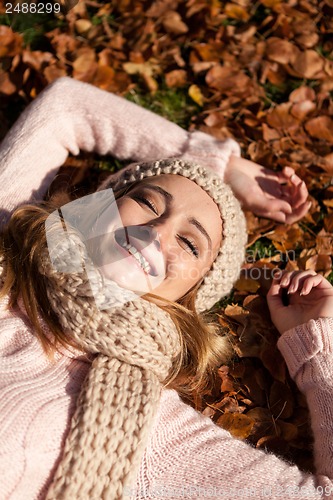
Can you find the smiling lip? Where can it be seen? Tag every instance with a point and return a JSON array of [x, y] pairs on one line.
[[127, 253]]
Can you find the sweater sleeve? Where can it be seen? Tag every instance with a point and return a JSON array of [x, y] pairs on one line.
[[69, 116], [190, 456], [308, 351]]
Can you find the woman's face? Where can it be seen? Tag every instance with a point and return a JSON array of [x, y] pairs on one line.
[[169, 236]]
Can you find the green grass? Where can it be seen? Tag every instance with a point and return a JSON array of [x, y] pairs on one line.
[[33, 28], [110, 163], [173, 104], [280, 93], [261, 249]]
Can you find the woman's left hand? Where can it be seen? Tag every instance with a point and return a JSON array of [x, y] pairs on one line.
[[281, 196], [309, 296]]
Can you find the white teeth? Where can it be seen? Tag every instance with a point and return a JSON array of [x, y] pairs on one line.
[[139, 257]]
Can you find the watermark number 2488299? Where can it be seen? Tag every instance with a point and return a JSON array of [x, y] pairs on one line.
[[33, 8]]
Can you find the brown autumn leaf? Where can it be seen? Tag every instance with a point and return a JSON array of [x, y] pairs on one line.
[[273, 444], [227, 384], [320, 127], [285, 237], [319, 263], [246, 284], [226, 79], [11, 43], [273, 361], [236, 12], [301, 109], [328, 224], [104, 77], [236, 313], [174, 24], [271, 3], [85, 65], [303, 93], [270, 134], [7, 86], [238, 424], [263, 422], [208, 51], [289, 432], [281, 51], [176, 78], [37, 59], [281, 117], [309, 64], [53, 72], [324, 239]]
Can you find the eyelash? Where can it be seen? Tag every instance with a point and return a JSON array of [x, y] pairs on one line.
[[191, 245], [151, 205], [147, 202]]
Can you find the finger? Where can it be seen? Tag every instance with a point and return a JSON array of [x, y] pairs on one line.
[[276, 292], [280, 206], [310, 283], [298, 213], [274, 295], [287, 277], [297, 280], [299, 193], [285, 174], [272, 208]]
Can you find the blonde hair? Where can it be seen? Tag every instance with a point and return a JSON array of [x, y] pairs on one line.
[[21, 241]]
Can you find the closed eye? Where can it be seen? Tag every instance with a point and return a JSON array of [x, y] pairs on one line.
[[147, 202], [192, 246], [152, 206]]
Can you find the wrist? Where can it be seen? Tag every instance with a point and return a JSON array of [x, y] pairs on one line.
[[230, 167], [302, 344], [211, 152]]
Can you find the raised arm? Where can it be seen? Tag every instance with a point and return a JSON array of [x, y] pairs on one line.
[[69, 116]]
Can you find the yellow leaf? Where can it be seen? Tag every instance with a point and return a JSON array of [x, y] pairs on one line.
[[239, 425], [244, 284], [196, 95], [236, 12], [270, 3]]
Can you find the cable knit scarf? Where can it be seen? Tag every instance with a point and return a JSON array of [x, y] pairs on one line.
[[135, 344]]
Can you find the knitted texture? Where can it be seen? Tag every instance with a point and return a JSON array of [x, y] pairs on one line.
[[136, 345], [219, 281]]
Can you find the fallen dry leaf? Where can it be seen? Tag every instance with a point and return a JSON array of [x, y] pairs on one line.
[[238, 425], [320, 127]]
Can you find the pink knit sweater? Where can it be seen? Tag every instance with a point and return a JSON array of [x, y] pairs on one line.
[[187, 456]]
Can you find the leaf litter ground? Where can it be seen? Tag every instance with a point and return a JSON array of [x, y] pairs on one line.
[[261, 73]]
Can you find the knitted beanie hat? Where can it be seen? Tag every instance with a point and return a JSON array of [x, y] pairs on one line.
[[224, 271]]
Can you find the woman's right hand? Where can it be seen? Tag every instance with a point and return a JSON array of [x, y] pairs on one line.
[[309, 296]]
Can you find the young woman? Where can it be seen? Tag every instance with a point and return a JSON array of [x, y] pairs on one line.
[[92, 422]]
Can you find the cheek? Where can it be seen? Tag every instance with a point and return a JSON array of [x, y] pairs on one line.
[[183, 268], [130, 212]]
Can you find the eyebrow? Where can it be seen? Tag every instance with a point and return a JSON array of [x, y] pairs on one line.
[[169, 198]]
